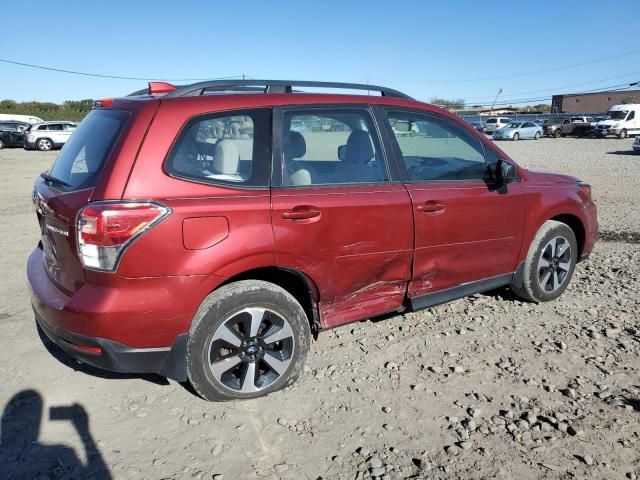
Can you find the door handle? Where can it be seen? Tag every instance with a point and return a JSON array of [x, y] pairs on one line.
[[300, 214], [430, 207]]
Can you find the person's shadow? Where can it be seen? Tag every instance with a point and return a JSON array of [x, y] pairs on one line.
[[23, 456]]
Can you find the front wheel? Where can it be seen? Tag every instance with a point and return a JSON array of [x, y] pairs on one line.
[[247, 339], [536, 136], [550, 263], [622, 134], [516, 137], [557, 133]]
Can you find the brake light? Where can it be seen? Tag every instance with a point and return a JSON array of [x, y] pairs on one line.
[[105, 230]]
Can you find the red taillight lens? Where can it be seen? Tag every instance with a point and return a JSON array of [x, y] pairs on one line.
[[105, 230]]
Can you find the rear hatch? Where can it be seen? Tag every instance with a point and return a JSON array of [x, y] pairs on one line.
[[68, 186]]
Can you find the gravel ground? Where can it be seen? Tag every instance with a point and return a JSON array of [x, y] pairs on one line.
[[484, 387]]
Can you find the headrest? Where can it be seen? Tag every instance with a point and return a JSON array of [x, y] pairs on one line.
[[301, 177], [359, 148], [294, 145], [226, 157]]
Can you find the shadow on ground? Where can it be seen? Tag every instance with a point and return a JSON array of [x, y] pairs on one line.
[[22, 455]]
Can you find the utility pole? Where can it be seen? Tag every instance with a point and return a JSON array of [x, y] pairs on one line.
[[494, 100]]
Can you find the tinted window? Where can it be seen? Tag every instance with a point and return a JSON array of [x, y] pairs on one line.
[[82, 158], [437, 149], [331, 146], [229, 148], [55, 127], [492, 120], [9, 127], [42, 127], [632, 115]]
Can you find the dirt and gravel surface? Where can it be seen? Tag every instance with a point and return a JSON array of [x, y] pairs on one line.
[[485, 387]]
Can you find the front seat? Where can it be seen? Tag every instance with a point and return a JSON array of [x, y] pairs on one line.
[[358, 155], [295, 147]]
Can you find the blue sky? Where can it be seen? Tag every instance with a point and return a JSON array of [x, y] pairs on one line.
[[446, 49]]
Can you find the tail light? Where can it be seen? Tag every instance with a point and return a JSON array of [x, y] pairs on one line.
[[105, 230]]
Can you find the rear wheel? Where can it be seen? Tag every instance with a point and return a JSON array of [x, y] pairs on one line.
[[550, 263], [247, 339], [557, 133], [44, 144], [516, 136], [536, 136], [623, 133]]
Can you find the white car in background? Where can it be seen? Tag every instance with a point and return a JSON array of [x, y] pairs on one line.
[[48, 135], [10, 117], [495, 123]]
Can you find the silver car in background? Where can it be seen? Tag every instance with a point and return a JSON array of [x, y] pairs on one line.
[[519, 130], [48, 135]]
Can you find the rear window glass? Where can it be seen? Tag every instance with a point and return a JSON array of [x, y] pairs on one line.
[[83, 156], [230, 148], [492, 120]]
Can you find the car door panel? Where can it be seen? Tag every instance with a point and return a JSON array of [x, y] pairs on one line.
[[353, 238], [465, 229]]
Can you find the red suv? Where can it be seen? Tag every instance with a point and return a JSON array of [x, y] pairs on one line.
[[206, 232]]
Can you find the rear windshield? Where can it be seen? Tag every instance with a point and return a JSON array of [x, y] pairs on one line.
[[492, 120], [83, 156]]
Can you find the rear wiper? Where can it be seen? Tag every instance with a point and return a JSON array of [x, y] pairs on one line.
[[51, 179]]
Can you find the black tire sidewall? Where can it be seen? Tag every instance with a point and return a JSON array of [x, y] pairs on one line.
[[531, 268], [222, 304]]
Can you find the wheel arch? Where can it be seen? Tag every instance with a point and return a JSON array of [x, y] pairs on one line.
[[575, 224], [297, 283]]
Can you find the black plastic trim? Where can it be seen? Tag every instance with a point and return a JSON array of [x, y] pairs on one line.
[[117, 357], [460, 291]]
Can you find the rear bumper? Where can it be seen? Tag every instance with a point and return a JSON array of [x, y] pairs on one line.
[[125, 325], [117, 357]]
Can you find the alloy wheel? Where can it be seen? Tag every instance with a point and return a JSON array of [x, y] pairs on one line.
[[250, 350], [44, 144], [554, 264]]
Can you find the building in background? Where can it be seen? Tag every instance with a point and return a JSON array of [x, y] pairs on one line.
[[592, 102]]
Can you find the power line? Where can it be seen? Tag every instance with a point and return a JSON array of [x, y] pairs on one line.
[[523, 74], [117, 77], [560, 88]]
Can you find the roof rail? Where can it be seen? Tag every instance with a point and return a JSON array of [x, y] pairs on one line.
[[272, 86]]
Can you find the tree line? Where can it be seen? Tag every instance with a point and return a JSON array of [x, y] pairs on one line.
[[73, 110]]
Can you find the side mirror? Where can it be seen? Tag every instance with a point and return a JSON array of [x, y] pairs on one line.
[[342, 152], [505, 172]]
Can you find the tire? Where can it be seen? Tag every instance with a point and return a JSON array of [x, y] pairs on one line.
[[543, 283], [516, 137], [557, 133], [536, 136], [1, 144], [622, 134], [44, 144], [252, 326]]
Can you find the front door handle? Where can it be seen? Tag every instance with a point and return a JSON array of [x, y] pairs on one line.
[[430, 207], [300, 214]]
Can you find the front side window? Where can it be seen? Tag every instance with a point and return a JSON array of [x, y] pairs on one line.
[[55, 127], [230, 148], [42, 127], [436, 149], [331, 146]]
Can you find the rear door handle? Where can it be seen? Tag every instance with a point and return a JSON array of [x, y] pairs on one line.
[[300, 214], [430, 207]]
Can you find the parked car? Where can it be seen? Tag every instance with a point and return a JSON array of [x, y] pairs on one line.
[[562, 128], [10, 117], [636, 145], [12, 134], [620, 120], [480, 126], [581, 119], [519, 130], [48, 135], [172, 247], [494, 123]]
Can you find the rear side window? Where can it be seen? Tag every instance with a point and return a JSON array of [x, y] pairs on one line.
[[83, 156], [55, 126], [42, 127], [229, 148]]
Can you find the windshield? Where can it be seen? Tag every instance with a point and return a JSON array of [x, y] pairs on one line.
[[513, 125], [616, 115], [83, 156]]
